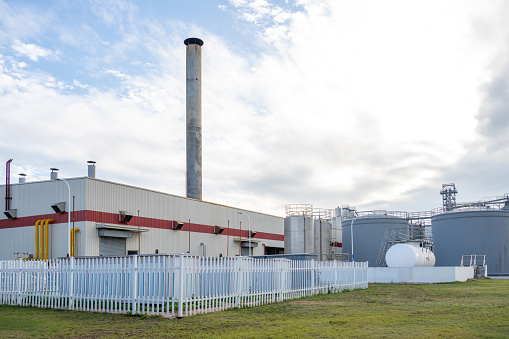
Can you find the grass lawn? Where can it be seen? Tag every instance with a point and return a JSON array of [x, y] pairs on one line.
[[478, 308]]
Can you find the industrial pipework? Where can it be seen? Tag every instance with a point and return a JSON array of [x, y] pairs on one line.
[[8, 184], [41, 252], [193, 118], [73, 239]]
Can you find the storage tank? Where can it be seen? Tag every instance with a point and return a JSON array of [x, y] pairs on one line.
[[299, 234], [410, 254], [322, 238], [464, 232], [368, 233]]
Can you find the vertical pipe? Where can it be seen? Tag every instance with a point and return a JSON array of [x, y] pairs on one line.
[[41, 243], [351, 236], [139, 234], [37, 238], [8, 184], [46, 239], [228, 239], [189, 237], [68, 213], [47, 221], [73, 234], [193, 118]]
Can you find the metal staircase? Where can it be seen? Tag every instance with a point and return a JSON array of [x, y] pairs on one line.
[[412, 233]]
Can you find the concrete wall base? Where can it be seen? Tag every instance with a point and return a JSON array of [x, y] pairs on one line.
[[429, 275]]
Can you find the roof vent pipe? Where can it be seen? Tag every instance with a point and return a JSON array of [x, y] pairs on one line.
[[22, 178], [8, 184], [54, 174], [91, 169]]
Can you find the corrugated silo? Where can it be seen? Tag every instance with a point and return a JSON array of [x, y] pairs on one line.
[[368, 233], [473, 230]]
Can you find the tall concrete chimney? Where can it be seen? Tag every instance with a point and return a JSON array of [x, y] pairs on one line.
[[193, 118]]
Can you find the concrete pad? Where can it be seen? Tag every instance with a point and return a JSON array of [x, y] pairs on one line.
[[429, 275]]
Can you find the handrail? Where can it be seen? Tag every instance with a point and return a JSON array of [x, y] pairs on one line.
[[472, 260]]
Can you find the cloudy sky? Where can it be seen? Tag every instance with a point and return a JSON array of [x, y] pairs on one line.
[[374, 104]]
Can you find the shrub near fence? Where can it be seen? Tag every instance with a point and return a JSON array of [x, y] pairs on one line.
[[170, 285]]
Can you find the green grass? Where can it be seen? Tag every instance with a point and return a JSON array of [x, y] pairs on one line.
[[478, 308]]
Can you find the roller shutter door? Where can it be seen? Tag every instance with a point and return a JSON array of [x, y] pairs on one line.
[[109, 246]]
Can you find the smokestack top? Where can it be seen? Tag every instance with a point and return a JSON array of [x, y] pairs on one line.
[[91, 168], [54, 173], [193, 41]]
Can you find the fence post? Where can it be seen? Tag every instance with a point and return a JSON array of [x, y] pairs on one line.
[[313, 276], [18, 283], [239, 282], [134, 293], [70, 284], [181, 287], [354, 284]]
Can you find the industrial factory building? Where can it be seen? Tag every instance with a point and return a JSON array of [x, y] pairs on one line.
[[92, 217], [111, 219]]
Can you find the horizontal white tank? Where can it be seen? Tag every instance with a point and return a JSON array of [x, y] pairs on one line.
[[409, 255]]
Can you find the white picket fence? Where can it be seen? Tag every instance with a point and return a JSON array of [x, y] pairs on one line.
[[170, 285]]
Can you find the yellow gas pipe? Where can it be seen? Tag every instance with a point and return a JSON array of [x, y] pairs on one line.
[[73, 245], [41, 252], [37, 239], [46, 238]]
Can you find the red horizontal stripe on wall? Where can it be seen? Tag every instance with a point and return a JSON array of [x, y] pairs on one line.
[[113, 218]]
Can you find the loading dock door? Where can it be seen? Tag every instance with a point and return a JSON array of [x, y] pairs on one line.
[[109, 246], [112, 242]]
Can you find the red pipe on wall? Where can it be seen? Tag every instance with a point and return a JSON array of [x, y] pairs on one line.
[[8, 184]]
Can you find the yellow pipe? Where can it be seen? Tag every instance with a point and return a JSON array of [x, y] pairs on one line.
[[41, 244], [72, 236], [46, 238], [37, 238]]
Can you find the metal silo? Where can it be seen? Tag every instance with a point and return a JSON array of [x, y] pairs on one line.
[[368, 233], [299, 229], [476, 228], [323, 233]]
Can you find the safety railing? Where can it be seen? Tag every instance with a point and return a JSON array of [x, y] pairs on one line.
[[170, 285], [473, 260]]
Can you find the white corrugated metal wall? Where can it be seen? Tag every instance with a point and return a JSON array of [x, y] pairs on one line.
[[33, 201], [96, 199]]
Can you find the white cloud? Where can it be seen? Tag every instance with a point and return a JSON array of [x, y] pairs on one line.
[[370, 104], [33, 52], [20, 21], [79, 84], [116, 74]]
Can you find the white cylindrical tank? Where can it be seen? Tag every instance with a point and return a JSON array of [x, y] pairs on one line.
[[409, 255]]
